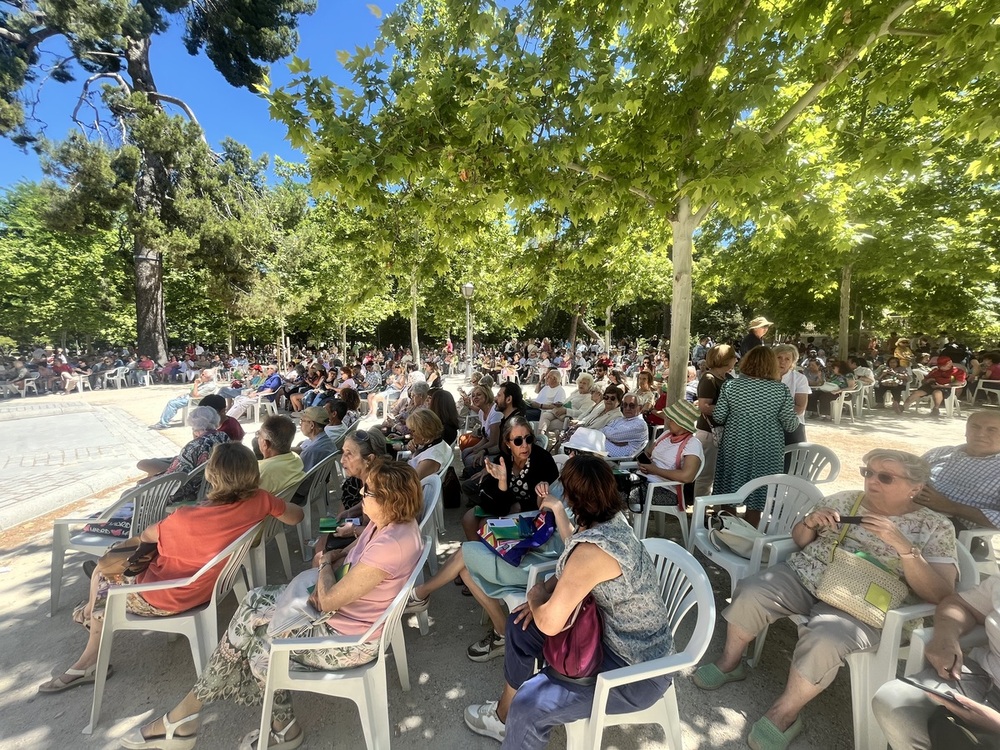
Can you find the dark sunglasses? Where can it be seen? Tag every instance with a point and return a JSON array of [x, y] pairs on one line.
[[609, 398], [883, 477], [521, 440]]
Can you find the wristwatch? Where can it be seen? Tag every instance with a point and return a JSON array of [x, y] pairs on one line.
[[913, 553]]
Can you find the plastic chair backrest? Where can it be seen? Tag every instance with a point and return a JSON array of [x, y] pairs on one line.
[[431, 487], [968, 569], [236, 552], [810, 461], [684, 586], [787, 498], [152, 497]]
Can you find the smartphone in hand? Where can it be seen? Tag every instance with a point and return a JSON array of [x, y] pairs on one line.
[[851, 519]]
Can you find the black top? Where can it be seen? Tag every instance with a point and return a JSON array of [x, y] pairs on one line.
[[541, 468], [750, 341], [709, 387]]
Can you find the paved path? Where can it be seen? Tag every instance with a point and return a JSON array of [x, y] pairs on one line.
[[54, 451]]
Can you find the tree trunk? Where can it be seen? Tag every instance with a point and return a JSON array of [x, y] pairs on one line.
[[151, 320], [343, 336], [680, 305], [607, 329], [845, 310], [573, 326], [594, 335], [414, 345]]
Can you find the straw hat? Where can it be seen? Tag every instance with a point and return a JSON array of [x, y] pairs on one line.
[[759, 322]]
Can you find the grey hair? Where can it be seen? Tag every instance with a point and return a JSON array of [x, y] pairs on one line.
[[785, 349], [204, 418], [487, 381], [514, 422], [916, 469], [420, 388], [585, 377], [373, 443]]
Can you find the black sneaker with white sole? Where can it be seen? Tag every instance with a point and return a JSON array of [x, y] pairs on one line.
[[490, 647]]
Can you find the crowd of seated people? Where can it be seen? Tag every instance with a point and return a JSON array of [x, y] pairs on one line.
[[910, 508]]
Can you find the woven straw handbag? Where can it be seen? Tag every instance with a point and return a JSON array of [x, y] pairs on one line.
[[859, 587]]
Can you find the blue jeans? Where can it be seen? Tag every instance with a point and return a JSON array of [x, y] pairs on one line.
[[543, 701], [173, 406]]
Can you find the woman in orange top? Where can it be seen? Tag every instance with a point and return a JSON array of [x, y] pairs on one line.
[[185, 541]]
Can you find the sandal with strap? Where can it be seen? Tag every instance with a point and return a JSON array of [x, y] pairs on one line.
[[167, 741], [764, 735], [275, 740], [80, 677]]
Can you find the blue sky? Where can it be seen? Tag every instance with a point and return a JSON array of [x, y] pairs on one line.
[[221, 109]]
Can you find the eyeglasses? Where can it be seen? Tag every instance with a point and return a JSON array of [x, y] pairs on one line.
[[522, 439], [629, 403], [609, 398], [883, 477]]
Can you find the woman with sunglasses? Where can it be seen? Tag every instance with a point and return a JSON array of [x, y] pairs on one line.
[[354, 587], [910, 540], [521, 486]]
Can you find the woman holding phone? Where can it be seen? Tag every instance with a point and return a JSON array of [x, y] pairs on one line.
[[891, 529]]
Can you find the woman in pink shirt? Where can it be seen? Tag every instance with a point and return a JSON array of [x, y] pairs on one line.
[[377, 568]]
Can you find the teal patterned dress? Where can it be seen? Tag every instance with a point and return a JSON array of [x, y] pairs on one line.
[[755, 415]]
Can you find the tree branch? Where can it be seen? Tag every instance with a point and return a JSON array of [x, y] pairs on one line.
[[607, 178], [915, 32], [177, 102], [849, 57], [84, 93], [705, 68]]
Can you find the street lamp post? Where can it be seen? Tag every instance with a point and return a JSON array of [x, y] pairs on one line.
[[468, 290]]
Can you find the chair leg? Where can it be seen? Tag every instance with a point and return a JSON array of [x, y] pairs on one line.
[[423, 622], [672, 726], [265, 716], [576, 735], [281, 542], [398, 642], [758, 648], [378, 707], [60, 540], [103, 659]]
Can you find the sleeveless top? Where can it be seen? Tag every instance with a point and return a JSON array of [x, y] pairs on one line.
[[635, 618]]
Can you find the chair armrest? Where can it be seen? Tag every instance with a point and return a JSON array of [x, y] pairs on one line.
[[138, 588], [628, 465], [780, 548], [729, 498], [539, 570], [403, 455], [315, 644], [922, 636], [76, 521], [767, 542], [966, 536], [624, 675]]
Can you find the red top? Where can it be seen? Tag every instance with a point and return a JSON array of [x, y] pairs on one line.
[[233, 428], [944, 377], [192, 536]]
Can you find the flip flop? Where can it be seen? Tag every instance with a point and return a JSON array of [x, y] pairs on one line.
[[764, 735], [80, 677], [710, 677]]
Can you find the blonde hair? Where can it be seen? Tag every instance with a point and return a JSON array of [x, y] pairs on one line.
[[718, 356], [425, 426], [233, 473]]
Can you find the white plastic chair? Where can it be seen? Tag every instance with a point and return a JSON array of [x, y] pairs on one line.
[[83, 383], [432, 501], [315, 482], [683, 586], [149, 503], [871, 669], [988, 566], [29, 383], [847, 399], [788, 498], [260, 405], [271, 528], [952, 404], [199, 625], [989, 388], [640, 521], [916, 659], [810, 461], [119, 377], [365, 685]]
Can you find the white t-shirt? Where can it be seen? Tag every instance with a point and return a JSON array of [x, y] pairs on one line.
[[665, 456], [796, 382], [494, 417], [440, 452], [550, 395]]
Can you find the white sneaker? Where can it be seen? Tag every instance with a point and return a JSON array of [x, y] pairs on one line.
[[482, 719]]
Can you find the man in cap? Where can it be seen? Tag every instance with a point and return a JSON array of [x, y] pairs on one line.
[[317, 445], [755, 336], [938, 384]]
